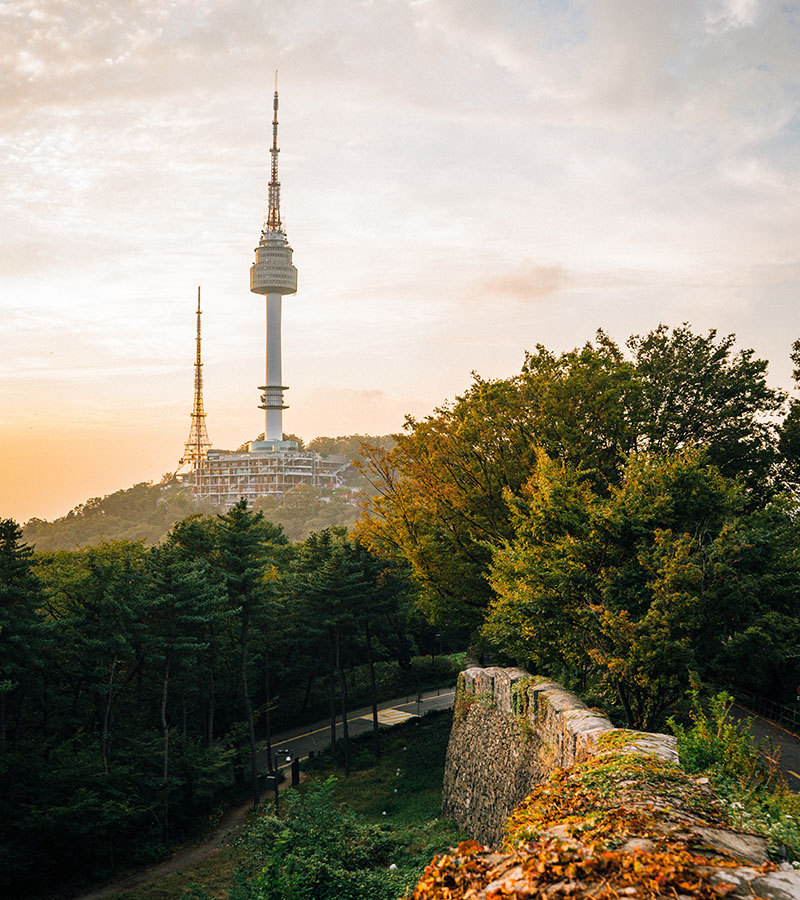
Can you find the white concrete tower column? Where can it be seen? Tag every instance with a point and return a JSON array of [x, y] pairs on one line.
[[273, 275], [274, 406]]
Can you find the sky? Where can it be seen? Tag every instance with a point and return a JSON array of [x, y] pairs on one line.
[[460, 180]]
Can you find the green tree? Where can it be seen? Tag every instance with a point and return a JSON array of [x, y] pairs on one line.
[[440, 489], [249, 550], [317, 851], [184, 604], [642, 589], [789, 441], [330, 585], [696, 391], [20, 596]]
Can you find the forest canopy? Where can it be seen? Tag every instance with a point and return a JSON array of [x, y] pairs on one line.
[[621, 518], [138, 685]]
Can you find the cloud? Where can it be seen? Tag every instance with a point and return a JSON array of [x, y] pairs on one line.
[[527, 283], [724, 15]]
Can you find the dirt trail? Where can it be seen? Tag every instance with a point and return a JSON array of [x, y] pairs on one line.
[[229, 826], [311, 737]]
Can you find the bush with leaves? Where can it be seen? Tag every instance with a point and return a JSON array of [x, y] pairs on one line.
[[317, 851], [757, 799]]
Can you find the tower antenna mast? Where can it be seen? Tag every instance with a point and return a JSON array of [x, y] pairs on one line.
[[274, 187], [197, 444]]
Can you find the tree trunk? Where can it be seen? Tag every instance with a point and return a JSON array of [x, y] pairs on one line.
[[184, 724], [376, 740], [211, 697], [343, 690], [139, 686], [104, 743], [165, 760], [45, 704], [332, 695], [266, 710], [309, 684], [623, 697], [249, 710], [19, 695]]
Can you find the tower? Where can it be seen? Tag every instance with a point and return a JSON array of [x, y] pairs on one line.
[[273, 275], [197, 444]]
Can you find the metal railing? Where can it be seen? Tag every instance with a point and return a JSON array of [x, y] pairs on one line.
[[787, 716]]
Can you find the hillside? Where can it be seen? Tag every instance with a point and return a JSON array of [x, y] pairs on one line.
[[146, 511]]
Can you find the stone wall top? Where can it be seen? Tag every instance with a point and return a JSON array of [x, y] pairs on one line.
[[549, 706], [520, 750]]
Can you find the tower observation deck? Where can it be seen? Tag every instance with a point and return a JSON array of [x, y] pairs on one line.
[[274, 275]]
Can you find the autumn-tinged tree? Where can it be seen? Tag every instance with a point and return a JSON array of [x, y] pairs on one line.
[[440, 502], [666, 577], [441, 495]]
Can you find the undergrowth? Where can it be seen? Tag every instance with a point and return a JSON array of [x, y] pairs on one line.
[[743, 775], [365, 837]]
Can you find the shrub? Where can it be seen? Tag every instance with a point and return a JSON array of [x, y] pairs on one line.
[[757, 798]]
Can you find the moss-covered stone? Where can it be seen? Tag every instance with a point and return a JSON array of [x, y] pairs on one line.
[[609, 813]]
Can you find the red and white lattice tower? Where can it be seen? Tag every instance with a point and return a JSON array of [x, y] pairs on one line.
[[197, 444]]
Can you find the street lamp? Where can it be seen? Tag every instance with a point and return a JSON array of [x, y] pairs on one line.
[[437, 644], [285, 758]]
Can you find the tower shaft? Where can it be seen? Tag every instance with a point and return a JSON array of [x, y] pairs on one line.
[[197, 444], [274, 276], [272, 399]]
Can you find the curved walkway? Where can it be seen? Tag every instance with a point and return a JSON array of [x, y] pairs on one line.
[[301, 741], [778, 745]]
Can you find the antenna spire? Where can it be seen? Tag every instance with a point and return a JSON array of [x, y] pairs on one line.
[[274, 189], [197, 444]]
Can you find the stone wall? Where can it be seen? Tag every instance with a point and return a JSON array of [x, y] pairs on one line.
[[510, 731], [515, 735]]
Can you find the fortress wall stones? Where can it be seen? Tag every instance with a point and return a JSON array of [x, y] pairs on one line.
[[512, 731]]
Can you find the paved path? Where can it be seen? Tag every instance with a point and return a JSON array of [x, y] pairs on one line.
[[774, 737], [300, 741], [303, 740]]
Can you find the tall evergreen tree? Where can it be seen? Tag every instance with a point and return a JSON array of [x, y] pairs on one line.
[[249, 548]]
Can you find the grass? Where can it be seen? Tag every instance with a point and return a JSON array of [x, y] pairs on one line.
[[406, 783], [402, 789], [213, 875], [755, 795]]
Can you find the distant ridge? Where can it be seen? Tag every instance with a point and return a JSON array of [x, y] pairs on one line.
[[147, 511]]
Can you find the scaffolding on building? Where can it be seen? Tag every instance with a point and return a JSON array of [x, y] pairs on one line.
[[224, 477]]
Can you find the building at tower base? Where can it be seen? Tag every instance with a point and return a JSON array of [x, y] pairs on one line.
[[267, 468]]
